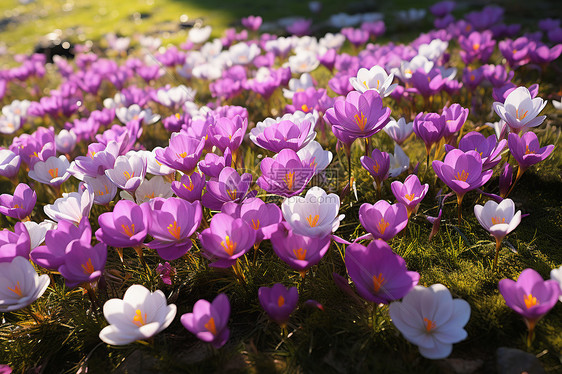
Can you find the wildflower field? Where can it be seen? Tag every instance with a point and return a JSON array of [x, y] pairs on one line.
[[315, 187]]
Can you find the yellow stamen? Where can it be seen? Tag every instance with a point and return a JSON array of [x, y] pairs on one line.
[[360, 121], [429, 324], [305, 108], [300, 254], [530, 301], [378, 281], [138, 318], [376, 167], [528, 151], [475, 46], [189, 186], [88, 268], [128, 175], [174, 230], [210, 325], [312, 222], [233, 194], [151, 196], [54, 172], [16, 206], [383, 225], [497, 220], [289, 180], [129, 231], [522, 116], [280, 301], [463, 176], [16, 289], [378, 83], [178, 116], [256, 224], [410, 196], [182, 155], [230, 246]]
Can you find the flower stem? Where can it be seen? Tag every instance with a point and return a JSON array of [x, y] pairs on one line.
[[531, 335], [459, 207], [520, 172], [498, 246]]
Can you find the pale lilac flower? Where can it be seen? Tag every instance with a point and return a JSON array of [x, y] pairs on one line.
[[53, 171], [376, 79], [128, 172], [72, 206], [20, 285], [429, 318], [520, 111]]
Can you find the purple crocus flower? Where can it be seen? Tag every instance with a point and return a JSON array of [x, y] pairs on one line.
[[100, 157], [426, 84], [442, 8], [377, 165], [477, 46], [83, 263], [14, 243], [189, 187], [285, 134], [126, 226], [530, 296], [252, 23], [278, 302], [166, 272], [360, 114], [430, 128], [516, 51], [506, 177], [340, 83], [228, 132], [209, 320], [472, 78], [379, 274], [262, 217], [226, 239], [498, 75], [356, 37], [488, 148], [173, 222], [182, 153], [410, 193], [285, 174], [455, 117], [20, 204], [462, 172], [229, 186], [51, 255], [526, 150], [542, 54], [298, 251], [382, 220], [128, 172], [213, 164]]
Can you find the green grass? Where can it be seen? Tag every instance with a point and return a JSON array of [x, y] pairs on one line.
[[349, 335]]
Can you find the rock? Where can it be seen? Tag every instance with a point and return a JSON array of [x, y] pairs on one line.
[[515, 361], [460, 366]]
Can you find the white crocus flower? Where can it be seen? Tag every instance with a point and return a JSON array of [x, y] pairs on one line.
[[37, 231], [10, 123], [557, 104], [399, 162], [556, 275], [315, 215], [499, 219], [19, 284], [332, 41], [298, 85], [128, 171], [399, 130], [407, 68], [135, 112], [71, 206], [140, 315], [175, 96], [153, 166], [315, 156], [104, 189], [243, 53], [199, 35], [429, 318], [520, 110], [304, 62], [434, 50], [53, 171], [149, 189], [375, 79], [65, 141], [17, 108]]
